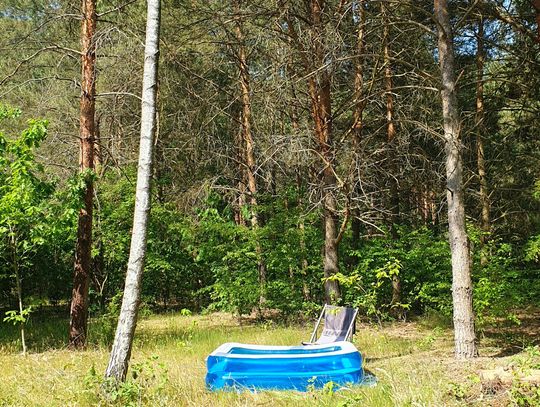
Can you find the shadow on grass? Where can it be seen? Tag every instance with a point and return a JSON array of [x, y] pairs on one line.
[[44, 330], [369, 379], [512, 338], [48, 328]]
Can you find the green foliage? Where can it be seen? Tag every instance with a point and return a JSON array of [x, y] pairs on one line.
[[229, 251], [503, 284], [524, 394], [18, 317], [532, 249], [144, 386], [418, 257], [25, 205]]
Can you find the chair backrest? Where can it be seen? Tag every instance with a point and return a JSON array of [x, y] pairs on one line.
[[339, 324]]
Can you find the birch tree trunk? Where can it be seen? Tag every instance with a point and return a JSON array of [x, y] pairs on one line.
[[464, 335], [123, 340], [83, 252]]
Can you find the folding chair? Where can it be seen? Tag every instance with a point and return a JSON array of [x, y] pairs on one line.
[[339, 325]]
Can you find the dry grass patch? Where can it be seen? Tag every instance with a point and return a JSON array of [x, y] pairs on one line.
[[413, 365]]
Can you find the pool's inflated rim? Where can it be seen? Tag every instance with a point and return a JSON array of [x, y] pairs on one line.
[[285, 352]]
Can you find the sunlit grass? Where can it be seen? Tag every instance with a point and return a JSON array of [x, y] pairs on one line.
[[409, 362]]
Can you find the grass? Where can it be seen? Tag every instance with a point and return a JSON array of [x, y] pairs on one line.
[[412, 361]]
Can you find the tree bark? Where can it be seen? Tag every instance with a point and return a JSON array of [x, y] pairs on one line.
[[536, 6], [390, 125], [485, 222], [248, 142], [301, 226], [123, 340], [321, 109], [98, 151], [359, 103], [464, 334], [83, 252], [390, 136], [240, 200], [358, 113], [18, 282]]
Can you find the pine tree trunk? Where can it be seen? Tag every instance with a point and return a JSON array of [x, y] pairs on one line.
[[98, 151], [359, 104], [83, 251], [123, 340], [390, 128], [240, 200], [485, 221], [303, 252], [358, 115], [536, 7], [464, 334], [320, 93], [249, 145], [390, 136]]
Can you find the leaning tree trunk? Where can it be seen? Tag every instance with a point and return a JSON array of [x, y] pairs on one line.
[[123, 340], [464, 335], [78, 326], [485, 221]]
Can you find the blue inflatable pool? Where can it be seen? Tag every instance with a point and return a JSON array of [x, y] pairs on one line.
[[239, 366]]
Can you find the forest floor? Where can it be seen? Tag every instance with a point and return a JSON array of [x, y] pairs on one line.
[[412, 362]]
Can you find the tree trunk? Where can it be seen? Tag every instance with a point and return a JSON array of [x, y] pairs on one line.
[[536, 6], [359, 104], [123, 340], [390, 127], [83, 251], [390, 136], [16, 271], [301, 226], [485, 221], [358, 116], [464, 334], [248, 143], [321, 109], [240, 200], [358, 119], [98, 150]]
